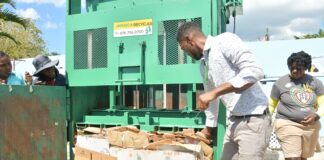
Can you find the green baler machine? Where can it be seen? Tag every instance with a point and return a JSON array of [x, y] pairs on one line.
[[125, 66]]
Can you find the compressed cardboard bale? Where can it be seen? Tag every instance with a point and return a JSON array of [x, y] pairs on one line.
[[152, 137], [101, 156], [209, 158], [169, 136], [93, 130], [144, 133], [192, 148], [127, 139], [82, 154], [208, 151], [86, 154], [188, 132], [132, 129], [180, 140], [182, 148], [155, 145], [190, 138], [134, 154], [93, 143], [179, 135], [123, 129]]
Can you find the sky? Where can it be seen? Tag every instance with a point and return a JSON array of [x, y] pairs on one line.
[[283, 18], [49, 16]]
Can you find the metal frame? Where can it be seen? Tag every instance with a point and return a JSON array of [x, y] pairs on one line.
[[134, 61]]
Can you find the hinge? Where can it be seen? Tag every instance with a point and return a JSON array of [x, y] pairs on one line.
[[68, 104]]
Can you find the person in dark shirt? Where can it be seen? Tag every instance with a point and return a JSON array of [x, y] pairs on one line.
[[46, 72], [299, 100]]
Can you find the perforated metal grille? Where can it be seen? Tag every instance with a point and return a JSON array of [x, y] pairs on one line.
[[169, 51], [90, 49], [99, 44], [80, 49]]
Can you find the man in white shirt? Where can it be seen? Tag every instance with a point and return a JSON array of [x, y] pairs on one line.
[[230, 74]]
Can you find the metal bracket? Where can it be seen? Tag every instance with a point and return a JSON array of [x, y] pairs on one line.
[[31, 89], [10, 88], [127, 80]]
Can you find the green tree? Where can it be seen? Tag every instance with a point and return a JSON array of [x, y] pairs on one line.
[[29, 39], [8, 16], [310, 36]]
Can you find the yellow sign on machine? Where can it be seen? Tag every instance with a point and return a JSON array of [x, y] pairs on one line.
[[133, 28]]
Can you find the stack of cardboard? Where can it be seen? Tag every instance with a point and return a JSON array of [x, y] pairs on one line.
[[130, 143], [86, 154]]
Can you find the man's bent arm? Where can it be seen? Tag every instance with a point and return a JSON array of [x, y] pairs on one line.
[[228, 88]]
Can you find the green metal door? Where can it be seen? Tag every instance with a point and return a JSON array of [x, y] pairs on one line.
[[32, 123], [97, 56]]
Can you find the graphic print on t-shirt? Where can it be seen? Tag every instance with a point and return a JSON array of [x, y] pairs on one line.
[[302, 96]]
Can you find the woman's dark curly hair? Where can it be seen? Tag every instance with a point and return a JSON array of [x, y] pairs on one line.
[[301, 58]]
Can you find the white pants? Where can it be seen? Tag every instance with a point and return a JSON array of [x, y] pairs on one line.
[[247, 138]]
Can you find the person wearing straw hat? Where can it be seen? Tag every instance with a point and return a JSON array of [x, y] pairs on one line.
[[46, 72]]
